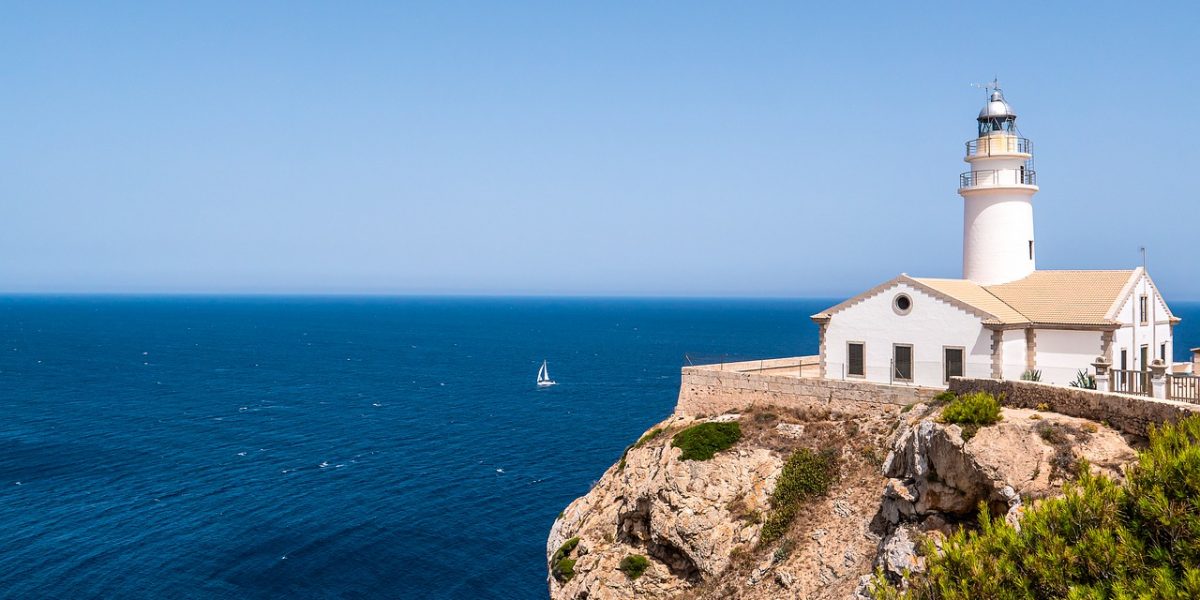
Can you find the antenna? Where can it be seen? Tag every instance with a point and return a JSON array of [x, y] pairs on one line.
[[1142, 249], [994, 84]]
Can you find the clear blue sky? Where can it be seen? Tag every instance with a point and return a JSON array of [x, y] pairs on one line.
[[790, 149]]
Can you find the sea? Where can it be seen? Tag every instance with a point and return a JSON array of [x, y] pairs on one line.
[[334, 447]]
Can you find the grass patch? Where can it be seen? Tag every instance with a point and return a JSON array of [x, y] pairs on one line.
[[1100, 539], [806, 474], [562, 566], [701, 442], [634, 565]]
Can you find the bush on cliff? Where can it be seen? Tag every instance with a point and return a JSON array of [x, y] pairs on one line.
[[1099, 540], [806, 474], [972, 411], [701, 442], [563, 567], [634, 565]]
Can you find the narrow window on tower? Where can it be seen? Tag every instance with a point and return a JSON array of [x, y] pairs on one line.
[[1030, 249], [1143, 306]]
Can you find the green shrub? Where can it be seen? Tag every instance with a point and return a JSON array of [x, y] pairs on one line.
[[978, 408], [634, 565], [1099, 540], [564, 569], [701, 442], [806, 474], [1032, 375], [562, 566]]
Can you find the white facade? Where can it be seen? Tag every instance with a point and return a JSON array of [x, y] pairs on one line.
[[1059, 355], [930, 326], [1152, 335]]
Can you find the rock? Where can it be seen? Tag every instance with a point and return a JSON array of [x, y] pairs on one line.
[[936, 478], [785, 579], [898, 554], [842, 508]]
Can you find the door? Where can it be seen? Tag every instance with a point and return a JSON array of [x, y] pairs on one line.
[[952, 363], [902, 363], [1144, 354]]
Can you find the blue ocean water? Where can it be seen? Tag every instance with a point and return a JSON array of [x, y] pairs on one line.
[[320, 447]]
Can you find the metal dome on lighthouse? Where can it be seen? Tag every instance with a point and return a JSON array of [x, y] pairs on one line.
[[998, 242]]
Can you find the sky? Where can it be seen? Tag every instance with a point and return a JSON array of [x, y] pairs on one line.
[[576, 148]]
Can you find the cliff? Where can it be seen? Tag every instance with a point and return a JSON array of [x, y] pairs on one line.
[[897, 476]]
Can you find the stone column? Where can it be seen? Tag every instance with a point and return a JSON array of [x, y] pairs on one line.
[[1158, 378], [1195, 361], [1102, 365]]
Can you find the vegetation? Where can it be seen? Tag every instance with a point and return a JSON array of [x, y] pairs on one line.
[[701, 442], [806, 474], [1032, 375], [1084, 380], [945, 397], [1099, 540], [634, 565], [972, 411], [563, 568]]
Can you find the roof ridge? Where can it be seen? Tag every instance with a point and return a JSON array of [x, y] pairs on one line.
[[1001, 301]]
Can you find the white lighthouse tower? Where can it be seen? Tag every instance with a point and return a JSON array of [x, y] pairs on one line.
[[998, 198]]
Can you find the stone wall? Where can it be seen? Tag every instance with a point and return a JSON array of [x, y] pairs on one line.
[[717, 389], [1130, 414]]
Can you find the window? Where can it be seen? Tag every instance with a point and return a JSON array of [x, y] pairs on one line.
[[902, 304], [1143, 310], [902, 362], [1030, 249], [1124, 360], [856, 359], [952, 363], [1162, 352]]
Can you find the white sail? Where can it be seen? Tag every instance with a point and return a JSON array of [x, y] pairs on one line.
[[543, 376]]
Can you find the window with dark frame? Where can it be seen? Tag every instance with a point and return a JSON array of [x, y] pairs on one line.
[[1144, 309], [953, 363], [856, 361], [902, 367]]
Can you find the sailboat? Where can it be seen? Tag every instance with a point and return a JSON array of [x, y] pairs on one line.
[[543, 379]]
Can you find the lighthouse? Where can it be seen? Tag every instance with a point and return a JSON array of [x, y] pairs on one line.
[[998, 198]]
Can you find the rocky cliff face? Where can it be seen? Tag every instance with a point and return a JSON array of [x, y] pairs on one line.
[[900, 478]]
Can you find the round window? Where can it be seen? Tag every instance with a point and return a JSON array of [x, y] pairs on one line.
[[902, 304]]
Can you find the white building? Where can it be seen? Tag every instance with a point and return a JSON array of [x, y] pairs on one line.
[[1004, 318]]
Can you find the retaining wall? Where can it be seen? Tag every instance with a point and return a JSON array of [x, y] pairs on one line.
[[715, 389], [1130, 414]]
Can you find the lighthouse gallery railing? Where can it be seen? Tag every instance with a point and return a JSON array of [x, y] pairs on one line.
[[990, 177], [1006, 144]]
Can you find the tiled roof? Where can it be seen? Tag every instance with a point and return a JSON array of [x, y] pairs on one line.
[[977, 296], [1071, 298], [1066, 297]]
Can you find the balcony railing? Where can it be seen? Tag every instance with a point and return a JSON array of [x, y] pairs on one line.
[[1004, 144], [994, 178], [1183, 387]]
